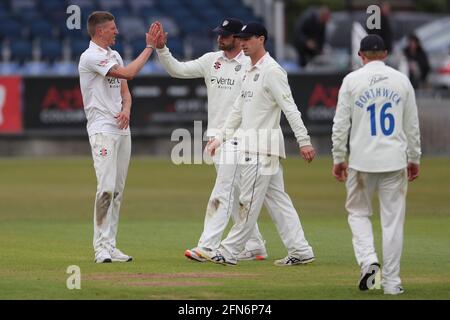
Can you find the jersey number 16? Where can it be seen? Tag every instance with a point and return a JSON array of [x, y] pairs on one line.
[[387, 121]]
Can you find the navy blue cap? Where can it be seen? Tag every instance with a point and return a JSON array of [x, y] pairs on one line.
[[252, 29], [229, 26], [372, 42]]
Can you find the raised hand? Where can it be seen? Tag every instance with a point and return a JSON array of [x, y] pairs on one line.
[[153, 34], [162, 39]]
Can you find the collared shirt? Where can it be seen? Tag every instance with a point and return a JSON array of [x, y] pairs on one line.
[[377, 107], [265, 93], [223, 79], [102, 97]]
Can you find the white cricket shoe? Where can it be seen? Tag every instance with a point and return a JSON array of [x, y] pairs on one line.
[[394, 291], [194, 254], [292, 261], [119, 256], [257, 254], [102, 256]]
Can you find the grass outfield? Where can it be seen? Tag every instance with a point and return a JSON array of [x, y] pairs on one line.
[[46, 225]]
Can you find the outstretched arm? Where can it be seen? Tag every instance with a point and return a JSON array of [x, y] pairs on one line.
[[131, 70], [183, 70]]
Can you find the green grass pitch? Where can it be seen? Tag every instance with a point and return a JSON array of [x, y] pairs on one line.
[[46, 226]]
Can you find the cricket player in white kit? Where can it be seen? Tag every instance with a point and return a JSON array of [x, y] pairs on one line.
[[222, 71], [265, 93], [377, 108], [107, 104]]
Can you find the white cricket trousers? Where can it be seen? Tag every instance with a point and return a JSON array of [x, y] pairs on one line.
[[392, 188], [111, 154], [224, 200], [262, 182]]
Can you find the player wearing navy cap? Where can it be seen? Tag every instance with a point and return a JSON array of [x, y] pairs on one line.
[[256, 112], [222, 71], [377, 109]]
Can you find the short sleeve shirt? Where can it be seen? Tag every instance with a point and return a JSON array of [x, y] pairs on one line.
[[102, 97]]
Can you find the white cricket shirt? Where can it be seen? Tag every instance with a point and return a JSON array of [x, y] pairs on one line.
[[264, 94], [223, 79], [101, 95], [377, 106]]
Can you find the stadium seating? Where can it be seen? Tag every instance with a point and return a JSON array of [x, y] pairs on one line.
[[21, 51], [35, 31], [50, 49]]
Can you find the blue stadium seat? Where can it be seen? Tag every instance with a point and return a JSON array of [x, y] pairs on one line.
[[53, 5], [169, 24], [141, 6], [200, 5], [170, 6], [11, 29], [21, 51], [41, 29], [19, 5], [119, 13], [51, 49], [132, 28], [5, 14], [176, 47], [182, 15], [136, 47], [77, 47], [243, 13], [119, 48], [109, 5], [83, 4], [192, 26], [197, 45], [28, 15], [229, 4]]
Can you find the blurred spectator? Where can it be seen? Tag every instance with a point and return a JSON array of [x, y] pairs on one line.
[[309, 33], [418, 65], [386, 29]]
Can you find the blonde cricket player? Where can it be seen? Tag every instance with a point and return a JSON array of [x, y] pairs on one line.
[[107, 104]]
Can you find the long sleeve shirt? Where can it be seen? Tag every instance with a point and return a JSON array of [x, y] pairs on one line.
[[265, 93], [377, 108], [223, 79]]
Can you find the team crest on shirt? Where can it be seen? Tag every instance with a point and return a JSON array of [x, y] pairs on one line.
[[103, 152], [217, 65], [103, 63], [256, 77], [238, 67]]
